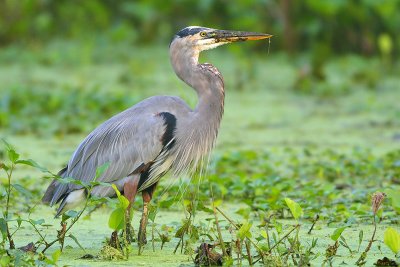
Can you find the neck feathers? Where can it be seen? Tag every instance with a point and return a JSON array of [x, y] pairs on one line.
[[202, 128]]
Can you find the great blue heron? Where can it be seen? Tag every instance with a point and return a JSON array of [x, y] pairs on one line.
[[157, 135]]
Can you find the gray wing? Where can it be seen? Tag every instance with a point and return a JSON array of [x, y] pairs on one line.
[[126, 141]]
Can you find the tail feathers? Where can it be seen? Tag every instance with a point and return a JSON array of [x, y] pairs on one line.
[[55, 191], [48, 195], [71, 200]]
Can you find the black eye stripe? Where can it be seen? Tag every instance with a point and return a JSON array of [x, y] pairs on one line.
[[190, 31]]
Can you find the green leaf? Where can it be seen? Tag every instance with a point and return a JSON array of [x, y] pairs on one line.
[[264, 234], [5, 260], [116, 190], [294, 207], [116, 220], [152, 213], [217, 202], [56, 254], [101, 169], [336, 234], [183, 229], [93, 183], [71, 213], [244, 231], [123, 201], [76, 241], [12, 155], [69, 180], [3, 227], [22, 190], [360, 238], [32, 163], [19, 221], [4, 166], [392, 239], [37, 222]]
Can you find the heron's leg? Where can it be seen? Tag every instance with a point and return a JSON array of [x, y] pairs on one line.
[[147, 196], [130, 190]]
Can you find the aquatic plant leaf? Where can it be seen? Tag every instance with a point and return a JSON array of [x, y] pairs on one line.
[[294, 207], [391, 239]]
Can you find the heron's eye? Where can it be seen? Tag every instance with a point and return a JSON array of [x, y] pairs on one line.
[[203, 34]]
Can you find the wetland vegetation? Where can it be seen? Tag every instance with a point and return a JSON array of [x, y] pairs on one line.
[[306, 170]]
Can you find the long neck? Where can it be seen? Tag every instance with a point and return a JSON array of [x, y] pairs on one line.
[[205, 79], [200, 133]]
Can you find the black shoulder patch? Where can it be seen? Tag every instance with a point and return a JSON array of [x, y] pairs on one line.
[[190, 31], [170, 127]]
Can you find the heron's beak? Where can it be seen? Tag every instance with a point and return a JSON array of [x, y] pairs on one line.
[[235, 36]]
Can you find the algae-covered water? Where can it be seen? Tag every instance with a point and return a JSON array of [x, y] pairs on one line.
[[92, 233], [329, 153]]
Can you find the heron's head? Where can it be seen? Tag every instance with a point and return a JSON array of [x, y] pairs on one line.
[[201, 38]]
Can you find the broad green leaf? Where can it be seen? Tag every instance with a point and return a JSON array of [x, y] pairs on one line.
[[101, 169], [37, 222], [116, 220], [336, 234], [392, 239], [56, 254], [244, 231], [294, 207], [123, 201], [22, 190], [71, 213], [217, 202], [5, 260], [264, 234], [32, 163], [12, 155]]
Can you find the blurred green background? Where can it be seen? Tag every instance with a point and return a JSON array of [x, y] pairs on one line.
[[328, 77], [313, 114]]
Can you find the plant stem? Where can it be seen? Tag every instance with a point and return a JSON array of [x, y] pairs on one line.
[[48, 245], [221, 241], [247, 244], [284, 237], [313, 224], [372, 238], [361, 259], [9, 236], [237, 228]]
